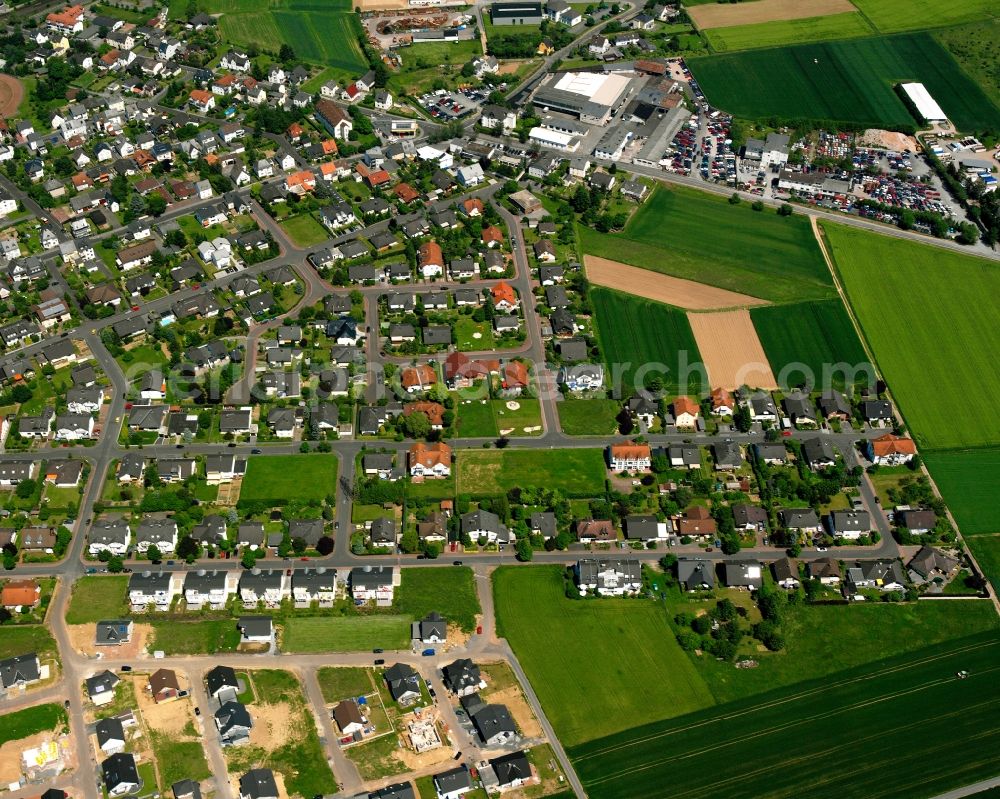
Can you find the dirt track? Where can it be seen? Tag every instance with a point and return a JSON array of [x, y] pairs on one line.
[[11, 94], [726, 15], [731, 351], [663, 288]]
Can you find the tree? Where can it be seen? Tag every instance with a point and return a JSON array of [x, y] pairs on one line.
[[5, 616], [785, 210], [416, 425], [155, 204], [325, 545], [153, 553], [188, 548], [298, 545], [249, 559], [21, 393], [286, 54], [734, 199], [523, 550], [25, 489], [115, 564]]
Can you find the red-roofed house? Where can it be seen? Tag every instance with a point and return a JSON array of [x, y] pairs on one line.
[[431, 259], [685, 412], [514, 377], [69, 20], [492, 236], [504, 297], [890, 450], [300, 182], [202, 100]]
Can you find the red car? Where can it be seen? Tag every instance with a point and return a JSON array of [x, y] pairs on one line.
[[135, 307]]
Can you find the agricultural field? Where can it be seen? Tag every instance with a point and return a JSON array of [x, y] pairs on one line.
[[802, 338], [986, 549], [789, 31], [976, 48], [634, 332], [968, 479], [97, 599], [345, 633], [324, 33], [933, 368], [846, 81], [588, 417], [642, 675], [207, 637], [280, 479], [574, 472], [450, 590], [892, 16], [30, 721], [701, 237], [838, 722]]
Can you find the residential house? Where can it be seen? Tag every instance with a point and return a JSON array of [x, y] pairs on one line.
[[608, 576]]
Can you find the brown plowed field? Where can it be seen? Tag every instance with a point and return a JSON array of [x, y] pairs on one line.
[[11, 94], [726, 15], [731, 351], [663, 288]]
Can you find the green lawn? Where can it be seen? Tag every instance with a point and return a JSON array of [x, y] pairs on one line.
[[575, 472], [848, 81], [856, 724], [789, 31], [466, 329], [344, 682], [433, 490], [377, 759], [968, 479], [525, 420], [139, 360], [700, 236], [304, 230], [641, 338], [934, 366], [98, 599], [450, 590], [588, 417], [475, 418], [891, 16], [22, 639], [195, 637], [280, 479], [346, 633], [23, 723], [177, 760], [807, 340], [599, 666]]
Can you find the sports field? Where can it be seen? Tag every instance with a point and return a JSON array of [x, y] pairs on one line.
[[934, 338], [575, 472], [789, 31], [635, 332], [701, 237], [968, 479], [597, 666], [846, 81], [806, 339], [280, 479], [828, 738], [345, 633], [321, 32], [890, 16]]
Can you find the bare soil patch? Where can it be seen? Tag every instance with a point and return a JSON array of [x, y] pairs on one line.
[[663, 288], [10, 755], [726, 15], [169, 717], [81, 636], [11, 94], [519, 709], [510, 67], [890, 140], [382, 5], [270, 725], [733, 355]]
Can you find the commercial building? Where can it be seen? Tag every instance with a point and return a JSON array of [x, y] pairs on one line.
[[588, 96]]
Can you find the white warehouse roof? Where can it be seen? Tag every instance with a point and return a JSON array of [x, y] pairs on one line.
[[926, 105]]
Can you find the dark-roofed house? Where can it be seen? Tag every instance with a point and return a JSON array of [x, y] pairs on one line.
[[818, 453], [695, 575], [743, 574], [101, 687], [110, 736], [403, 682], [826, 570], [929, 563], [120, 774], [234, 723], [800, 520], [749, 517], [494, 725], [221, 679], [433, 628], [453, 783], [511, 770], [462, 677], [19, 670], [348, 716], [163, 685], [186, 789], [644, 528], [258, 784], [786, 573], [849, 524], [917, 521]]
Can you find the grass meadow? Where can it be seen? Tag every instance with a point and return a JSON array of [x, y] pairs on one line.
[[280, 479], [598, 666], [345, 633], [30, 721], [24, 638], [343, 682], [574, 472], [789, 31], [856, 724], [814, 334], [206, 637], [976, 47], [637, 331], [588, 417], [921, 309], [450, 590], [700, 236], [304, 230], [845, 81], [98, 599], [892, 16]]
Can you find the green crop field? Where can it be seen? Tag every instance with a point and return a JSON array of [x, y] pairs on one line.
[[195, 637], [968, 479], [807, 339], [846, 81], [976, 48], [921, 309], [451, 591], [588, 417], [827, 738], [891, 16], [789, 31], [346, 633], [323, 33], [97, 599], [574, 472], [641, 332], [31, 720], [700, 236], [280, 479], [986, 549], [597, 666]]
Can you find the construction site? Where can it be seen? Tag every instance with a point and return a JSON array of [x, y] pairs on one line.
[[400, 28]]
